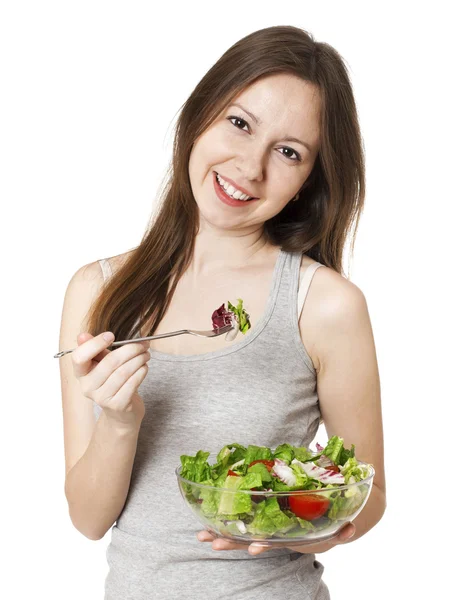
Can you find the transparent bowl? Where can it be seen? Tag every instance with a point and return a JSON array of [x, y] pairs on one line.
[[345, 503]]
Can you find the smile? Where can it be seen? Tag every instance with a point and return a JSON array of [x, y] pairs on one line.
[[225, 195], [231, 191]]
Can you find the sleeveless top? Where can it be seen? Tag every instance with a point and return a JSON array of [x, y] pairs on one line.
[[260, 390]]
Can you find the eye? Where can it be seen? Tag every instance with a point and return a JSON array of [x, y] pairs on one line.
[[297, 156], [238, 119]]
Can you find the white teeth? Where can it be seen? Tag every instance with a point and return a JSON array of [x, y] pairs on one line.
[[230, 190]]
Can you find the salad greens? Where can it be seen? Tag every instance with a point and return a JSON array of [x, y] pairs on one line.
[[287, 468], [235, 315]]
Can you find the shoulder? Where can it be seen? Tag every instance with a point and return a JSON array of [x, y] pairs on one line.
[[333, 305], [334, 296], [117, 261], [92, 273]]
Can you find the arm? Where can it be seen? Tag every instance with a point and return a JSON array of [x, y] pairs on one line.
[[98, 455], [348, 380], [97, 486], [337, 330]]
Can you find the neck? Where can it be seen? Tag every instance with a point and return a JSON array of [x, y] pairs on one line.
[[219, 252]]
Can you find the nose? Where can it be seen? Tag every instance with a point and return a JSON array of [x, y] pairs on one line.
[[251, 166]]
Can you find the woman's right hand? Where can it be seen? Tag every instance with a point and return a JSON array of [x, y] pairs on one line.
[[110, 378]]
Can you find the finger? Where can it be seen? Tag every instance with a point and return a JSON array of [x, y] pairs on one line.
[[258, 548], [205, 536], [83, 355], [225, 544], [220, 543], [84, 337], [346, 533], [111, 371], [113, 377]]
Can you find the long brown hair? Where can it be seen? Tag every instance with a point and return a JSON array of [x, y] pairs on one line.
[[318, 224]]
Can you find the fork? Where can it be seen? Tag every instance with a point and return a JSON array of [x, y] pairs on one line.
[[208, 333]]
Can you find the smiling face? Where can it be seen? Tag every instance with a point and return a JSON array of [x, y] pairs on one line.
[[257, 156]]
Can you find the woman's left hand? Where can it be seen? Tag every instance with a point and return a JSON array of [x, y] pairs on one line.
[[220, 543]]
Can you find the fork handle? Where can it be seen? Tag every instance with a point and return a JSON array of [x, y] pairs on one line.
[[151, 337], [143, 339]]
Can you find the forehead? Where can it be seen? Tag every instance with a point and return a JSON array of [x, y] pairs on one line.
[[283, 100]]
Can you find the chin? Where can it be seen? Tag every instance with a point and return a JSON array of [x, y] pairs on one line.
[[215, 219]]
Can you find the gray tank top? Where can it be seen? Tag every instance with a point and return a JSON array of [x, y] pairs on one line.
[[260, 390]]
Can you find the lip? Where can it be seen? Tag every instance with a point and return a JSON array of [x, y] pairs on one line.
[[237, 187], [225, 198]]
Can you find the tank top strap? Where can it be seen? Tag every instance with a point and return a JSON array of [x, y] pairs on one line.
[[106, 268], [304, 285]]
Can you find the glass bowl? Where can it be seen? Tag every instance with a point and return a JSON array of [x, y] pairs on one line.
[[268, 516]]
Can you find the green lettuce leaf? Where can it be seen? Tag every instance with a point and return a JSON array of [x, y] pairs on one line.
[[284, 452], [226, 457], [262, 471], [210, 499], [232, 503], [269, 519], [352, 469], [302, 454], [196, 468], [257, 453], [241, 315], [334, 448]]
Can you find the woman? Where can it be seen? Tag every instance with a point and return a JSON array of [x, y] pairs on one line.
[[275, 119]]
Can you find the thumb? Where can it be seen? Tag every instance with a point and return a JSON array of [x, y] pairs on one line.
[[347, 532]]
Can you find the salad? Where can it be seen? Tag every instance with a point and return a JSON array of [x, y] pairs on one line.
[[286, 469], [235, 315]]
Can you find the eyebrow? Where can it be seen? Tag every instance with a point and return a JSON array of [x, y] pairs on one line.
[[258, 121]]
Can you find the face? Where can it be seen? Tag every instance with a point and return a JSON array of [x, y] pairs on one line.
[[255, 156]]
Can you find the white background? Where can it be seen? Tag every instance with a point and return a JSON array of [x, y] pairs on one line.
[[90, 93]]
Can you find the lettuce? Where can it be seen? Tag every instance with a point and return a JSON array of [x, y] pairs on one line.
[[269, 519], [352, 469], [210, 499], [196, 468], [257, 453], [226, 457], [261, 469], [293, 477], [231, 502], [284, 452], [233, 315], [241, 315]]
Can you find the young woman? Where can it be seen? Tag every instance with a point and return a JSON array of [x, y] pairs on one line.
[[274, 124]]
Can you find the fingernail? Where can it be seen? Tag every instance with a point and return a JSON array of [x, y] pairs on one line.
[[108, 336], [255, 548]]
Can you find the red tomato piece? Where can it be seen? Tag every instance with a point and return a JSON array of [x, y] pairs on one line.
[[268, 463], [308, 506], [229, 472]]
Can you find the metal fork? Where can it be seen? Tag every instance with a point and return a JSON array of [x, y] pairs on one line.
[[208, 333]]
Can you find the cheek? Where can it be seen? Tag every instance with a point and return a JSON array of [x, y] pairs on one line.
[[214, 148]]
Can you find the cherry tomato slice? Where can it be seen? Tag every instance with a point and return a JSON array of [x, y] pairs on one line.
[[308, 506], [229, 472], [268, 463]]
